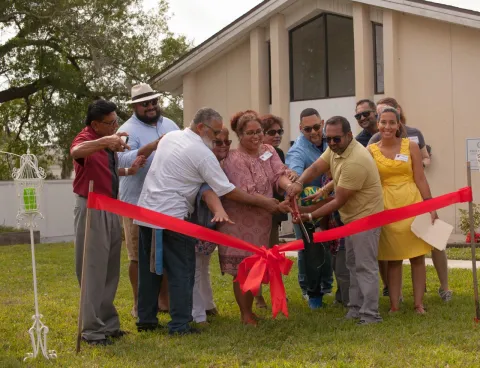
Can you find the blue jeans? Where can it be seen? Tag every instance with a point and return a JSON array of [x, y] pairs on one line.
[[179, 262], [325, 272]]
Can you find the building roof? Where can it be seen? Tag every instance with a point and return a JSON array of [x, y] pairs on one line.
[[170, 78]]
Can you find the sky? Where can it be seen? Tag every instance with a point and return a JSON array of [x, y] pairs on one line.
[[200, 19]]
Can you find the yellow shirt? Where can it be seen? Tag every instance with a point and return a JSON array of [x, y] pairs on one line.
[[356, 170]]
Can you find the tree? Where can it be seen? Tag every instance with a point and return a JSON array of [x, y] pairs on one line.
[[62, 54]]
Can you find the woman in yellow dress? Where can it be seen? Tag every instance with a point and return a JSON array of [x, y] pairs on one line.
[[399, 162]]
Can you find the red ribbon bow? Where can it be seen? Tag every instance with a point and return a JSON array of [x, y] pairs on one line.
[[265, 267]]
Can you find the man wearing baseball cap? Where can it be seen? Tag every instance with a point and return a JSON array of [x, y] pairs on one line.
[[145, 128]]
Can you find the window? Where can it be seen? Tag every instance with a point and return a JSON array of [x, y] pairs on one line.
[[322, 61], [378, 58]]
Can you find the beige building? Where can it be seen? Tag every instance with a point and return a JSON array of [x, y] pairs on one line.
[[285, 55]]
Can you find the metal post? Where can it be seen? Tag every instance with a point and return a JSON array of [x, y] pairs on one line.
[[472, 243]]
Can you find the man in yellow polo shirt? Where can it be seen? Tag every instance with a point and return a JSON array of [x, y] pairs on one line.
[[358, 193]]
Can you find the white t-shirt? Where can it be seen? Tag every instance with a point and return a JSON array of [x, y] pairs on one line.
[[182, 164]]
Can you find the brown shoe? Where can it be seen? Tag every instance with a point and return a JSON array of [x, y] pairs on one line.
[[212, 312]]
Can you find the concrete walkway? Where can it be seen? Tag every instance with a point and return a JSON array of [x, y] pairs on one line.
[[452, 263]]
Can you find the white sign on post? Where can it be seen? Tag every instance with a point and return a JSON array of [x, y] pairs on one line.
[[473, 153]]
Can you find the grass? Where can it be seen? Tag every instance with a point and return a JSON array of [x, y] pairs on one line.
[[462, 253], [446, 337]]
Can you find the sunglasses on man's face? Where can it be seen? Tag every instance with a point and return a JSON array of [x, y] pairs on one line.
[[273, 132], [153, 102], [220, 143], [364, 114], [336, 139], [308, 129]]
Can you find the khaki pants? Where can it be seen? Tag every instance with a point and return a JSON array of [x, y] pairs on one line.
[[361, 252]]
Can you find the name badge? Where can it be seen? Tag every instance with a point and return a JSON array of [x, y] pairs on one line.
[[400, 157], [266, 155], [414, 139]]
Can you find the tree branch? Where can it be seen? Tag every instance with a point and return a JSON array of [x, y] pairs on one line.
[[13, 93], [25, 118]]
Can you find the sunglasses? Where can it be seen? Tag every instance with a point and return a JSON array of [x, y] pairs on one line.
[[254, 132], [153, 102], [364, 114], [274, 132], [336, 139], [220, 143], [316, 127]]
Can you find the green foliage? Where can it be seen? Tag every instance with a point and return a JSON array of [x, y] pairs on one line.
[[464, 224], [60, 55]]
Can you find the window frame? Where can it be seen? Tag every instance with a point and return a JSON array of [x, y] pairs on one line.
[[375, 69], [290, 58]]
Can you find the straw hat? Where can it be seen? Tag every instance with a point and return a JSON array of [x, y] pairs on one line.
[[142, 92]]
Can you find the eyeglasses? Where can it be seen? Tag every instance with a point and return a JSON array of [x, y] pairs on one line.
[[215, 132], [110, 123], [153, 102], [220, 143], [336, 139], [364, 114], [274, 132], [308, 129], [254, 132]]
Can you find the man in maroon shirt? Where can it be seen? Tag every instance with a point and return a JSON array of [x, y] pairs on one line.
[[95, 158]]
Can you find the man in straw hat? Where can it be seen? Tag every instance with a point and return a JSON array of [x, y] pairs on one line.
[[145, 128]]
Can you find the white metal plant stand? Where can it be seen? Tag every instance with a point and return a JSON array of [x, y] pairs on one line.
[[28, 180]]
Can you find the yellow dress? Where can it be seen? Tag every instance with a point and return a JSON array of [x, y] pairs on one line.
[[397, 242]]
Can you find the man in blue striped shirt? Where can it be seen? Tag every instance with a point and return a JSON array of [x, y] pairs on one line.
[[145, 128]]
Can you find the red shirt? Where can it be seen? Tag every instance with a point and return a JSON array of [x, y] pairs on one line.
[[101, 167]]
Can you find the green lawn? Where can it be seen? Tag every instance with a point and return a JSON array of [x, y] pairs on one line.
[[445, 337], [462, 253]]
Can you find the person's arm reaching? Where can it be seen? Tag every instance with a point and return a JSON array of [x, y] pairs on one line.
[[113, 142], [132, 170], [316, 169], [215, 206]]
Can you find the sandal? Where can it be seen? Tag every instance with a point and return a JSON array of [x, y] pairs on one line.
[[419, 309], [250, 322]]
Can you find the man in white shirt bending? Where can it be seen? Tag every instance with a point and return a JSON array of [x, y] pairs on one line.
[[170, 187]]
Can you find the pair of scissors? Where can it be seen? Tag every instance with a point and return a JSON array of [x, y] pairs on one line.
[[296, 214]]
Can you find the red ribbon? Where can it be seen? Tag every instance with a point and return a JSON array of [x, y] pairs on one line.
[[268, 265]]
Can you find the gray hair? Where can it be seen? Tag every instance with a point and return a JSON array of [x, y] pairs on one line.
[[206, 115], [389, 109]]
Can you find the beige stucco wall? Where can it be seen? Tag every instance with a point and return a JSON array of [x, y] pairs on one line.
[[225, 84], [438, 78]]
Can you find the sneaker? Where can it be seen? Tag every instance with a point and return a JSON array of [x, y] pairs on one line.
[[446, 295], [385, 291], [305, 295], [351, 314], [190, 331], [364, 322], [315, 303], [101, 342], [149, 327]]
